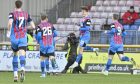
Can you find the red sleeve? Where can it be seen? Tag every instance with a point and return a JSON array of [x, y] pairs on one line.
[[125, 16]]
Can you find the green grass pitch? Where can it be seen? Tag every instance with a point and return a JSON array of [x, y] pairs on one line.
[[33, 78]]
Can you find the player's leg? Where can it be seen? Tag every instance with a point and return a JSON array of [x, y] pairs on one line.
[[22, 54], [71, 60], [47, 65], [109, 61], [15, 59], [82, 44], [22, 45], [42, 64], [15, 66], [124, 58], [51, 55]]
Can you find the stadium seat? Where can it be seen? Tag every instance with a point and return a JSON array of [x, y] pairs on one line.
[[129, 3], [97, 27], [74, 14], [117, 9], [96, 15], [62, 27], [110, 15], [122, 3], [99, 21], [126, 27], [106, 3], [108, 9], [79, 14], [99, 2], [75, 20], [67, 21], [137, 22], [137, 3], [56, 26], [137, 9], [60, 20], [109, 21], [114, 3], [70, 27], [93, 9], [104, 15], [100, 9], [124, 9], [76, 28], [134, 27], [91, 14]]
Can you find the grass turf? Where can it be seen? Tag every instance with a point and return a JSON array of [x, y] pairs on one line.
[[33, 78]]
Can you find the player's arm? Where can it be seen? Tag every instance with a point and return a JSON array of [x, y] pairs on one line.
[[113, 30], [55, 33], [88, 25], [31, 22], [38, 33], [10, 22], [123, 33]]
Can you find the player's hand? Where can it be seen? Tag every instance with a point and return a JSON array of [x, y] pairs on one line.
[[105, 31], [8, 34]]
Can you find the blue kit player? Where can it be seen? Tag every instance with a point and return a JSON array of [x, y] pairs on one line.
[[117, 34], [45, 34], [17, 31], [85, 26]]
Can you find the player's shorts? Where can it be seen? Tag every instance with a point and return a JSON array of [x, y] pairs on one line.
[[47, 51], [116, 49], [17, 44], [84, 40]]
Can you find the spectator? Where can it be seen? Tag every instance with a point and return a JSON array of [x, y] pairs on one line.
[[130, 16]]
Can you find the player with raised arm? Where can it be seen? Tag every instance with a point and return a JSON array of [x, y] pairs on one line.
[[17, 31], [45, 33], [117, 34], [85, 26]]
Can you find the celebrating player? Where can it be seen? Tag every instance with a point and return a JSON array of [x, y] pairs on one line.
[[85, 24], [17, 23], [117, 33], [45, 34]]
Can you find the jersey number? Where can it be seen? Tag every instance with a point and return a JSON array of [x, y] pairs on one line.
[[47, 31], [21, 20]]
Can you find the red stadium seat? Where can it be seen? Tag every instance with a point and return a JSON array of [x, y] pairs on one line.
[[99, 3], [60, 20]]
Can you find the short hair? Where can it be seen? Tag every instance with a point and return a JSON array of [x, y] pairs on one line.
[[115, 16], [18, 4], [43, 16], [85, 8]]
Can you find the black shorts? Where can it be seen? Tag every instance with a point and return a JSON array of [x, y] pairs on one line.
[[20, 48], [113, 53], [47, 54]]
